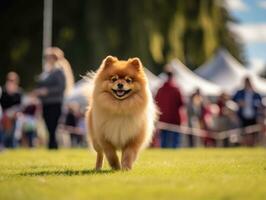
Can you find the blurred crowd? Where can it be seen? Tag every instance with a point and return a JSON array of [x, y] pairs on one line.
[[43, 117], [197, 120], [24, 119]]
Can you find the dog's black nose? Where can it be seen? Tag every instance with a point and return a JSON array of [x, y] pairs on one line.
[[120, 85]]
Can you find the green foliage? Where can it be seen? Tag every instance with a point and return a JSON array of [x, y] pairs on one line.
[[195, 174], [88, 30]]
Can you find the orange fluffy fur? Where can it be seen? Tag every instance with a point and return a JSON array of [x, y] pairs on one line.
[[120, 119]]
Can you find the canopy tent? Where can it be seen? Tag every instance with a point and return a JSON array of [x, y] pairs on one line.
[[228, 73], [188, 81], [257, 66], [154, 81]]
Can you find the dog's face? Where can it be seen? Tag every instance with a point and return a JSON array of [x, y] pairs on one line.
[[121, 87], [121, 79]]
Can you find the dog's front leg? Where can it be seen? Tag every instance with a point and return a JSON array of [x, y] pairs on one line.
[[99, 161], [110, 153], [129, 155], [131, 150]]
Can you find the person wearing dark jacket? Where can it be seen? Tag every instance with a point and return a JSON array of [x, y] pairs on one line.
[[169, 101], [52, 85], [10, 102], [249, 103]]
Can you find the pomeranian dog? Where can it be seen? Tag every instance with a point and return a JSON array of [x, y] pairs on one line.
[[121, 112]]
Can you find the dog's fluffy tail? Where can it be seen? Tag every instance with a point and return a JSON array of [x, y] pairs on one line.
[[89, 76]]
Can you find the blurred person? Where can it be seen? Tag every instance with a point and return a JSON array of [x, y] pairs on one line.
[[10, 101], [55, 81], [234, 122], [29, 122], [195, 111], [221, 102], [199, 118], [72, 123], [249, 102], [170, 103], [227, 119], [208, 123], [223, 116]]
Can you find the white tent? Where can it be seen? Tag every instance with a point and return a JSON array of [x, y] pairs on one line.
[[228, 73], [188, 81], [257, 66], [154, 81]]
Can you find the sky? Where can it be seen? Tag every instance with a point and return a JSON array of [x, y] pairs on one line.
[[251, 29]]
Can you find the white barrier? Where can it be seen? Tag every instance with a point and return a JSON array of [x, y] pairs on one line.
[[217, 135]]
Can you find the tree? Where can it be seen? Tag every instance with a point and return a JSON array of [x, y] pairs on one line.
[[88, 30]]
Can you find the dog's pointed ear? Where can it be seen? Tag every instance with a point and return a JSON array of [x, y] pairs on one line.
[[135, 62], [109, 60]]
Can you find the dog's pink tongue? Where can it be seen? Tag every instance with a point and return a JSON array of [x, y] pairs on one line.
[[120, 92]]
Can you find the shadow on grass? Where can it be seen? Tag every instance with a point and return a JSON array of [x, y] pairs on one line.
[[67, 172]]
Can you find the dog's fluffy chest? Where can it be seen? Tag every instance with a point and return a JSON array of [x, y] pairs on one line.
[[120, 129]]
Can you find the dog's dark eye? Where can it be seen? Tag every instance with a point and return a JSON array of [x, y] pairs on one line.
[[128, 80], [114, 79]]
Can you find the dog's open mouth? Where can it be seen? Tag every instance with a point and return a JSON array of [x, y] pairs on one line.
[[121, 93]]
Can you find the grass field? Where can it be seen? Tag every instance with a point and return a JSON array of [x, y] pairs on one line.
[[159, 174]]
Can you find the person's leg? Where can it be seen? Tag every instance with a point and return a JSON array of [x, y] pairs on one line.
[[79, 140], [30, 135], [226, 142], [1, 139], [47, 116], [51, 114], [8, 139], [76, 140], [170, 140], [190, 140], [72, 139], [10, 136], [243, 136], [56, 115], [15, 129], [163, 137], [253, 136], [248, 139], [175, 139]]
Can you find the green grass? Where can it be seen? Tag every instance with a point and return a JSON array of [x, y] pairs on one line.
[[159, 174]]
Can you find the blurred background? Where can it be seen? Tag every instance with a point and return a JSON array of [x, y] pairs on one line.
[[156, 31], [210, 45]]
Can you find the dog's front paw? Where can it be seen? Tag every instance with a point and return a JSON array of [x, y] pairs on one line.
[[116, 167], [97, 169], [126, 166]]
